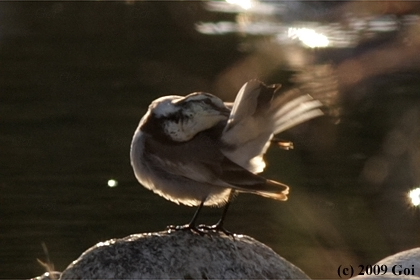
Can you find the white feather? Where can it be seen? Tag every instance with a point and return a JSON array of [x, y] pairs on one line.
[[249, 131]]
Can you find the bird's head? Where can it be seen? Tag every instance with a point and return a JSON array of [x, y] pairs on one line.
[[181, 118]]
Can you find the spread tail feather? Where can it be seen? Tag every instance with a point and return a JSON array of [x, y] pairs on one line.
[[242, 180], [281, 194]]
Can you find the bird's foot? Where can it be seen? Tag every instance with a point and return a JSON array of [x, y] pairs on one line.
[[215, 228], [201, 229], [187, 227]]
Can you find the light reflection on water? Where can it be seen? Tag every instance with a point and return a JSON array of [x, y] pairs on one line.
[[347, 33]]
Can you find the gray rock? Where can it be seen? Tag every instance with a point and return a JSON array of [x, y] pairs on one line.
[[405, 261], [181, 255]]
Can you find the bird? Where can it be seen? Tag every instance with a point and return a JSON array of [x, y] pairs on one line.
[[197, 150]]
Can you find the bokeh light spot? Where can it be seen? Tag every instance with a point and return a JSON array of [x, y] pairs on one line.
[[414, 195], [112, 183]]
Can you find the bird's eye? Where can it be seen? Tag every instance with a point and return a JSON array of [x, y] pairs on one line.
[[208, 101]]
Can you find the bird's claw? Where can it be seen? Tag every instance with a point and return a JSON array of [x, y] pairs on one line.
[[201, 229], [187, 227], [215, 228]]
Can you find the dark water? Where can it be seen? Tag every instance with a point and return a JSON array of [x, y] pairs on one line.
[[76, 78]]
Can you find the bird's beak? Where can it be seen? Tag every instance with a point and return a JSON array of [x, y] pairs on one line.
[[225, 111]]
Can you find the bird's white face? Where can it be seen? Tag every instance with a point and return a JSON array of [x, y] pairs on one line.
[[183, 117]]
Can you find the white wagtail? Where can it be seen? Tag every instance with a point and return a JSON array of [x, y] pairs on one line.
[[197, 150]]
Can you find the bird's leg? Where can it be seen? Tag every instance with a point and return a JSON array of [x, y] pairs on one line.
[[219, 225], [283, 144], [191, 225]]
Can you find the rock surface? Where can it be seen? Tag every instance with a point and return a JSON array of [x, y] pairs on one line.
[[407, 266], [181, 255]]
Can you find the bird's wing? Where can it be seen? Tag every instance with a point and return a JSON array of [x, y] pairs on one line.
[[201, 160], [197, 159], [259, 111]]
